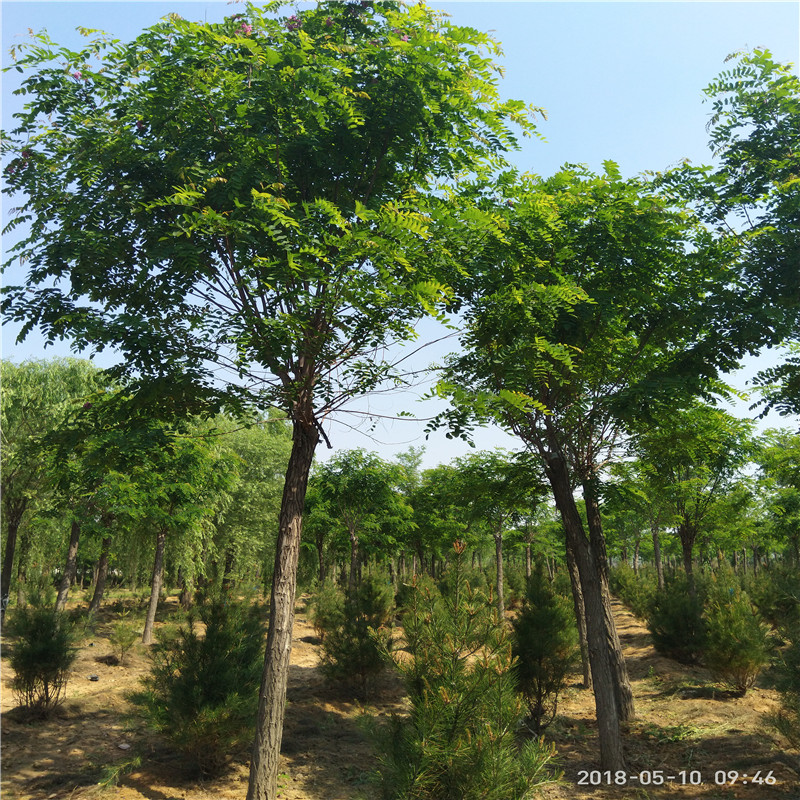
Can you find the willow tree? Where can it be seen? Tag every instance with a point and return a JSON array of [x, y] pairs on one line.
[[244, 211]]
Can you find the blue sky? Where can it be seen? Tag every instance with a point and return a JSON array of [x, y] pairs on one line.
[[619, 80]]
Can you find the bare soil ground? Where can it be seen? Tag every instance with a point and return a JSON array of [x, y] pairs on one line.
[[684, 723]]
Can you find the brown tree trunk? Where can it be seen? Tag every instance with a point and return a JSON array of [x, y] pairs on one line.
[[498, 551], [352, 580], [102, 576], [13, 512], [580, 615], [687, 535], [8, 563], [604, 678], [155, 586], [636, 556], [70, 567], [622, 683], [263, 783], [528, 560], [657, 556]]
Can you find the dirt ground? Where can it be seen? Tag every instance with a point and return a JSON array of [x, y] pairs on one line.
[[685, 727]]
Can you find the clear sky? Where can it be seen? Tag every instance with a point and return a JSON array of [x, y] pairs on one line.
[[619, 80]]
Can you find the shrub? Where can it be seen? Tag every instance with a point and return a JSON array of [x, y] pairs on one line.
[[637, 592], [546, 647], [676, 622], [202, 691], [737, 640], [327, 608], [787, 719], [353, 648], [123, 636], [458, 742], [41, 658], [775, 591]]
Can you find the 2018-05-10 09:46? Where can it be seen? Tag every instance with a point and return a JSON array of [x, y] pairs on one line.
[[659, 777]]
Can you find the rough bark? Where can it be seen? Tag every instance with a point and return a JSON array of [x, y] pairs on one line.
[[102, 576], [623, 687], [69, 568], [263, 783], [155, 586], [604, 678]]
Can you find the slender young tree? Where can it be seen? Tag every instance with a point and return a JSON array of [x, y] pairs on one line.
[[245, 210]]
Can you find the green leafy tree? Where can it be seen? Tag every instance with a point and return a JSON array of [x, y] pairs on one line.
[[755, 134], [497, 490], [694, 455], [258, 453], [36, 398], [360, 492], [254, 196], [589, 311]]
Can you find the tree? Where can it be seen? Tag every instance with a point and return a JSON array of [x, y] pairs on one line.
[[694, 454], [359, 491], [755, 135], [592, 310], [497, 491], [36, 397], [243, 210], [779, 460], [260, 453]]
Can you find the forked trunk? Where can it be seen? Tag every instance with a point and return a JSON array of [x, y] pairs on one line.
[[604, 677], [70, 568], [155, 587], [272, 699]]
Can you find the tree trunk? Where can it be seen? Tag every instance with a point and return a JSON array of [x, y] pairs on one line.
[[580, 615], [687, 535], [321, 560], [755, 561], [637, 543], [528, 561], [155, 586], [8, 565], [102, 576], [604, 681], [622, 683], [498, 550], [657, 556], [263, 783], [13, 512], [70, 567], [352, 580]]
